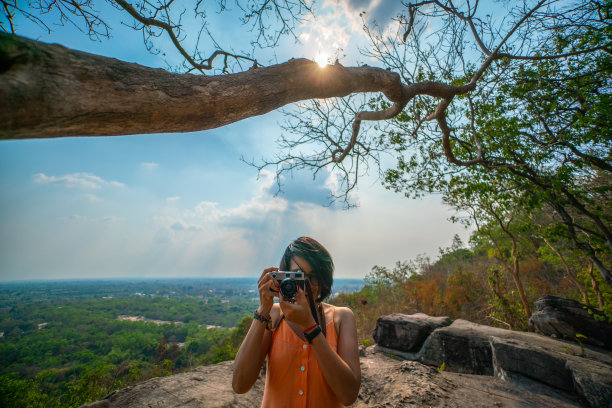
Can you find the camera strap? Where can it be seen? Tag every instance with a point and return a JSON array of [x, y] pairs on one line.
[[317, 314]]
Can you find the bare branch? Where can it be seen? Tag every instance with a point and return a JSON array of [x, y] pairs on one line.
[[389, 113], [79, 13], [205, 64]]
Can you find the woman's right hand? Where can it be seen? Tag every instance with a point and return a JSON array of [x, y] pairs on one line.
[[268, 289], [256, 344]]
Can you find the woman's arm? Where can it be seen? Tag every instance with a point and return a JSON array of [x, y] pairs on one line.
[[341, 370], [256, 344]]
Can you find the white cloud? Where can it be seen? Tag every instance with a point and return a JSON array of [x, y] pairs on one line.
[[105, 219], [181, 226], [149, 165], [384, 229], [379, 11], [86, 181], [245, 239], [338, 28], [109, 219], [207, 215], [92, 198], [173, 199]]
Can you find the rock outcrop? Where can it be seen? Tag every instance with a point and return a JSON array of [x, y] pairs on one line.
[[400, 333], [207, 386], [386, 382], [528, 360], [565, 318]]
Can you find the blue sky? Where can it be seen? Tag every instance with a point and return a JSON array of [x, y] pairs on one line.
[[174, 205]]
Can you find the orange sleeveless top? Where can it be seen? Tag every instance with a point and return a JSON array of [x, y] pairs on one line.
[[293, 376]]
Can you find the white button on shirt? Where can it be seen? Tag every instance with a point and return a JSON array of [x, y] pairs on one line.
[[301, 392], [303, 346], [302, 368]]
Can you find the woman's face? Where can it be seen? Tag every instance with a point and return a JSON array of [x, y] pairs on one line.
[[298, 263]]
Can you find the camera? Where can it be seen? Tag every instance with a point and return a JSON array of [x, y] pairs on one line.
[[289, 282]]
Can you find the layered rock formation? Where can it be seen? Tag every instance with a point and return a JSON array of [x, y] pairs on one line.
[[528, 360], [569, 319]]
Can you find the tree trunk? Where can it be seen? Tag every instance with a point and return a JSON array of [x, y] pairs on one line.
[[596, 287], [519, 285], [47, 90], [570, 274], [515, 269]]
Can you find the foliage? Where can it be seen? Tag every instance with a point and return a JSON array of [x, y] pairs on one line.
[[468, 284], [541, 127], [66, 352]]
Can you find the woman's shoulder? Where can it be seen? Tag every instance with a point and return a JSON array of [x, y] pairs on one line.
[[340, 313], [338, 309]]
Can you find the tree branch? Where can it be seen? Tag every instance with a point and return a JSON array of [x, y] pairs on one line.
[[47, 90], [205, 64]]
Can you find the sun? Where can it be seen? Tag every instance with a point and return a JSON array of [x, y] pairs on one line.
[[322, 59]]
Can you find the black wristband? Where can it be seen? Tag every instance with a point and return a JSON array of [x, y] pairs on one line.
[[311, 336]]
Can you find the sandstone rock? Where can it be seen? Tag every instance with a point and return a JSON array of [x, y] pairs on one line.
[[593, 380], [564, 318], [208, 386], [390, 382], [531, 359], [463, 347], [386, 382], [406, 332], [528, 360]]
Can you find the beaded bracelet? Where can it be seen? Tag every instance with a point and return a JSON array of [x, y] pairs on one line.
[[261, 318]]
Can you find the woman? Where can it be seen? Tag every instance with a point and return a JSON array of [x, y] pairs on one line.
[[312, 353]]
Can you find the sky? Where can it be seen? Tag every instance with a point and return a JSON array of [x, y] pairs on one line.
[[186, 205]]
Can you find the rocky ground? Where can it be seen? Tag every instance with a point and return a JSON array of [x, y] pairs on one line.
[[386, 382]]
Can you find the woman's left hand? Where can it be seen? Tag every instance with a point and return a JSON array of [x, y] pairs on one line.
[[298, 312]]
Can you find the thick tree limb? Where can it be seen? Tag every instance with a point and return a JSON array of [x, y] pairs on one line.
[[47, 90], [52, 91]]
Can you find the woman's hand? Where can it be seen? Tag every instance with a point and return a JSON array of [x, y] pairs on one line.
[[256, 344], [299, 311], [268, 288]]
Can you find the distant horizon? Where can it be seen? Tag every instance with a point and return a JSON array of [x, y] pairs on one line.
[[42, 280]]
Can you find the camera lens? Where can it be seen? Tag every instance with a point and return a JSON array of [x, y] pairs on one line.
[[288, 288]]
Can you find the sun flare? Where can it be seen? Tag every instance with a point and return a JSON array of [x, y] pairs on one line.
[[322, 59]]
